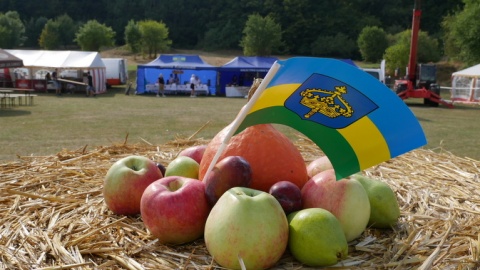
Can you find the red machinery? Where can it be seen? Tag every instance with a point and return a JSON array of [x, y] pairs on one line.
[[420, 82]]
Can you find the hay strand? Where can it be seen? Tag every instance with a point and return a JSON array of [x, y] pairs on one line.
[[53, 215]]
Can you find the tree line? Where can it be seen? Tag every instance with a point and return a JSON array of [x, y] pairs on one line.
[[330, 28]]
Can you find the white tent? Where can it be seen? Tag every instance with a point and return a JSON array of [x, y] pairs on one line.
[[36, 60], [466, 85]]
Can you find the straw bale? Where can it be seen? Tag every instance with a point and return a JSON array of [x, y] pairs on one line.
[[53, 215]]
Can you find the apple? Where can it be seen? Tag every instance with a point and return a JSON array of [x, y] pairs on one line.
[[183, 166], [346, 199], [288, 195], [316, 237], [231, 171], [318, 165], [248, 225], [125, 182], [384, 209], [195, 152], [174, 209]]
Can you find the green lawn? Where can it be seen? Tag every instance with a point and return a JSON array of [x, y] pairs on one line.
[[74, 121]]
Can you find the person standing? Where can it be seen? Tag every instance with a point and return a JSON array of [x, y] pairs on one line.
[[193, 81], [161, 85], [90, 89], [56, 83], [48, 78]]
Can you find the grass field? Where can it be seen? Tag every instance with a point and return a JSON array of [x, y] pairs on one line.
[[74, 121]]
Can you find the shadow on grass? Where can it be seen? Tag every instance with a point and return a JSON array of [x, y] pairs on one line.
[[12, 112], [421, 119], [110, 93]]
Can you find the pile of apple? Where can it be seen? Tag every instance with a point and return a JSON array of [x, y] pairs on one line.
[[245, 228]]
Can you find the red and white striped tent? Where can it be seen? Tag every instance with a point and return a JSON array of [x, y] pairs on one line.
[[35, 60]]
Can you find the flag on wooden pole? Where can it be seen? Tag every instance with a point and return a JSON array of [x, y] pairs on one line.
[[356, 120]]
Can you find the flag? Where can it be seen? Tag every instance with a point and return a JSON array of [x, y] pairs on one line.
[[354, 119]]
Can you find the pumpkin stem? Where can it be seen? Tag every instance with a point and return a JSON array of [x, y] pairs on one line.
[[255, 85]]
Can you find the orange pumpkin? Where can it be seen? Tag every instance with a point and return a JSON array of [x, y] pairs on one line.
[[272, 156]]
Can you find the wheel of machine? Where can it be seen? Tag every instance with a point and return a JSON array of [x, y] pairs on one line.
[[435, 89]]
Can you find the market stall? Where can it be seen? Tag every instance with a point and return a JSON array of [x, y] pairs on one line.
[[237, 76], [7, 62], [71, 65], [176, 70]]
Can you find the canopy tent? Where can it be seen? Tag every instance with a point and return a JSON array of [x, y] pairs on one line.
[[178, 67], [466, 85], [242, 70], [7, 60], [69, 64]]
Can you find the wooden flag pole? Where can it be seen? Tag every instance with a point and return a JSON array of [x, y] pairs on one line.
[[241, 115]]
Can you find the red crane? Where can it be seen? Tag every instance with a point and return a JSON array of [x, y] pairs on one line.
[[420, 81]]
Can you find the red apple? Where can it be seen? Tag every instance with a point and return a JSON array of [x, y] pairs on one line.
[[125, 182], [346, 199], [174, 209], [288, 195], [318, 165], [231, 171], [195, 152]]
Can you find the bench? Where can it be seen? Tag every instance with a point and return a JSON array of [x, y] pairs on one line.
[[10, 99], [31, 96]]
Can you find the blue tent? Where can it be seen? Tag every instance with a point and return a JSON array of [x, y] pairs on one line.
[[180, 66], [242, 70]]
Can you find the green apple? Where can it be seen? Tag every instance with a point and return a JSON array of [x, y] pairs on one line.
[[384, 209], [316, 237], [183, 166], [248, 225], [346, 199]]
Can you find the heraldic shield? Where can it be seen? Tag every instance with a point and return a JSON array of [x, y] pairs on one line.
[[329, 102]]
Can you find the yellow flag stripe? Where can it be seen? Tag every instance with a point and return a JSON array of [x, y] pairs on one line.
[[364, 137], [274, 96]]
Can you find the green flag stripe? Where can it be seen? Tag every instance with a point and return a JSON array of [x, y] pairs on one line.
[[330, 141]]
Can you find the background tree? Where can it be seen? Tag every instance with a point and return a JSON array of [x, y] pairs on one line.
[[66, 30], [154, 37], [133, 37], [462, 34], [222, 36], [262, 36], [12, 30], [50, 36], [218, 24], [33, 29], [397, 55], [372, 43], [338, 46], [93, 35]]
